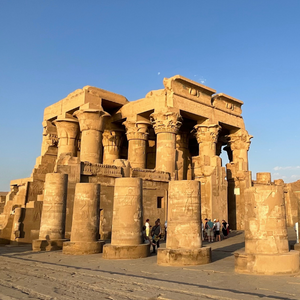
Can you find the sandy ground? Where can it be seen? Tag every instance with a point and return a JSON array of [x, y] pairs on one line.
[[52, 275]]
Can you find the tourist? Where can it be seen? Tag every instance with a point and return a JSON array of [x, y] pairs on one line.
[[155, 233], [202, 231], [210, 231], [224, 229], [205, 229], [147, 225], [297, 232], [217, 230]]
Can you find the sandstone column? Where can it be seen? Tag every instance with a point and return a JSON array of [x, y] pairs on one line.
[[111, 146], [166, 125], [85, 224], [182, 155], [92, 126], [67, 132], [266, 241], [126, 242], [16, 229], [184, 242], [137, 136], [52, 229], [238, 176], [207, 168]]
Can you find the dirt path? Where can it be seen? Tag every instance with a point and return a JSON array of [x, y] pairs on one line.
[[52, 275]]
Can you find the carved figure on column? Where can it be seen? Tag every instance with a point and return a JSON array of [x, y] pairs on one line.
[[137, 135]]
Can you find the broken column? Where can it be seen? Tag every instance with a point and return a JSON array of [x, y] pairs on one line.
[[207, 168], [85, 223], [52, 229], [166, 125], [266, 240], [238, 176], [92, 123], [184, 242], [126, 241]]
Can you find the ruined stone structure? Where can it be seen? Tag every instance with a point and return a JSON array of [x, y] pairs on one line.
[[266, 241], [184, 243], [96, 137]]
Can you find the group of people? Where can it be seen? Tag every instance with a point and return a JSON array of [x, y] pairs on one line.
[[212, 230], [153, 234]]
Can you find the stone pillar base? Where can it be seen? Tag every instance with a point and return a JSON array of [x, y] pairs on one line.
[[47, 245], [126, 251], [183, 257], [297, 247], [81, 248], [266, 264]]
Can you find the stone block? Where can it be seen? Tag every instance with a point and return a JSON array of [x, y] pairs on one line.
[[184, 257], [126, 251]]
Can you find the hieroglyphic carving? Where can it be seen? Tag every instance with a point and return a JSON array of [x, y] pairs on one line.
[[100, 169], [166, 121], [150, 174]]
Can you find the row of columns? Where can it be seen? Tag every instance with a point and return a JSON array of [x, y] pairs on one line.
[[166, 124]]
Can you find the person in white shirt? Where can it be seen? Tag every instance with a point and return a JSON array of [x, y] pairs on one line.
[[217, 228], [296, 227]]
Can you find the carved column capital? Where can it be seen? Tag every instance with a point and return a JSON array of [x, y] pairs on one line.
[[136, 130], [166, 121], [66, 128], [111, 138], [91, 119], [239, 140], [206, 133]]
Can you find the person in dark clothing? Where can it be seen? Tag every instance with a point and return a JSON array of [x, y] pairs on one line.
[[224, 229], [155, 233]]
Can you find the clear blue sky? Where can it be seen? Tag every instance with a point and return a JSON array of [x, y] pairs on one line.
[[247, 49]]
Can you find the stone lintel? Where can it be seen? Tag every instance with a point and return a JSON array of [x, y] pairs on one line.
[[82, 96]]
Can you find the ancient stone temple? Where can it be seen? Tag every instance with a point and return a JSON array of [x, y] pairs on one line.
[[96, 136]]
